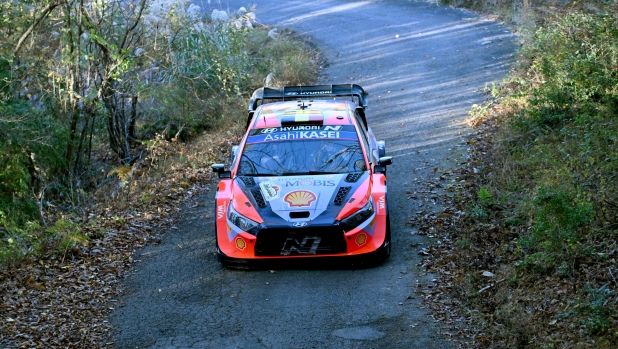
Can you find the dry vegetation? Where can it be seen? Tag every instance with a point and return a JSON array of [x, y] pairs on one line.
[[58, 289], [527, 243]]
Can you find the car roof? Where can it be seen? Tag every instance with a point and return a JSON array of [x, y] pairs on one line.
[[303, 112]]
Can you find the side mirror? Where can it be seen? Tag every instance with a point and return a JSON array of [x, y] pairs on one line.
[[220, 170], [234, 153], [382, 163], [385, 161], [381, 148]]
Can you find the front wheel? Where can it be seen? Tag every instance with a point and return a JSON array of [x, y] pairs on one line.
[[387, 239]]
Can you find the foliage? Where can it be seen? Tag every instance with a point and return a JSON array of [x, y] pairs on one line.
[[203, 72], [82, 83], [541, 206], [31, 144], [575, 60], [69, 232], [557, 237], [597, 313]]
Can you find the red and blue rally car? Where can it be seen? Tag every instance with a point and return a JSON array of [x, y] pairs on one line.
[[308, 180]]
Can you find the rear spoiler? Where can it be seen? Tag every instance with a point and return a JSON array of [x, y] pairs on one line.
[[308, 92], [355, 92]]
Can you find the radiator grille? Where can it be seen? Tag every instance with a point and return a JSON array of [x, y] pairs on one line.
[[305, 241]]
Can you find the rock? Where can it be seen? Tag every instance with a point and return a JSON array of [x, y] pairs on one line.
[[273, 33], [219, 16]]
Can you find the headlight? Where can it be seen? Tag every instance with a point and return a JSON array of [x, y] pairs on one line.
[[359, 217], [242, 222]]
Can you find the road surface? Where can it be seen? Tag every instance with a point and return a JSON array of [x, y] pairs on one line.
[[424, 67]]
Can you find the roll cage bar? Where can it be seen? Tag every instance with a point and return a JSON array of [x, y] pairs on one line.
[[358, 95]]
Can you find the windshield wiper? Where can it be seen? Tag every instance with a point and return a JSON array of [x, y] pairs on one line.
[[259, 175], [323, 172], [307, 173]]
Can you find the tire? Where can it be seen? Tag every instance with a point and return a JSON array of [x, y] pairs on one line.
[[387, 239]]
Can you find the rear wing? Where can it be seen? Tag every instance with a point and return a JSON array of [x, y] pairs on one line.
[[309, 92], [355, 92]]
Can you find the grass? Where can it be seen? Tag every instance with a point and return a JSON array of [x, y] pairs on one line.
[[543, 210]]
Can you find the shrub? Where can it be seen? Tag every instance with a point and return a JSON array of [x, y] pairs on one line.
[[575, 60], [559, 230]]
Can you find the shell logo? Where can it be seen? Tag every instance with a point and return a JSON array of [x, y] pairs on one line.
[[240, 243], [361, 239], [300, 198]]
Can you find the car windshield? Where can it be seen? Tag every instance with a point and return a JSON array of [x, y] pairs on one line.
[[301, 157]]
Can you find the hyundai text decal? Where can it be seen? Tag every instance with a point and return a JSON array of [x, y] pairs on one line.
[[308, 93]]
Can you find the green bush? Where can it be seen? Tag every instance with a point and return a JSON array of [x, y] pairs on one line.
[[575, 60], [597, 313], [559, 231], [207, 69]]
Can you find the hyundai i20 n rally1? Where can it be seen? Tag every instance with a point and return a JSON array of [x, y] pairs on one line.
[[307, 181]]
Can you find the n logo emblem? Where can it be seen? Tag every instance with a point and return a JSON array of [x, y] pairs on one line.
[[309, 245]]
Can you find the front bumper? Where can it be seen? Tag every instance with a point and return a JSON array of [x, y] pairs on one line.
[[330, 261]]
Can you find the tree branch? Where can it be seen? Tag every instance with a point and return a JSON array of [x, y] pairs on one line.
[[36, 22]]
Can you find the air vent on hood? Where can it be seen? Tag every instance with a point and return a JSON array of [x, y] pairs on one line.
[[353, 177], [341, 195], [299, 214], [259, 199], [249, 181]]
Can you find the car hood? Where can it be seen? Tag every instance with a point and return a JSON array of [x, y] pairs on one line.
[[312, 199]]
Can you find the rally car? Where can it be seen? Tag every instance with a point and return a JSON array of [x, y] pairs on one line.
[[307, 181]]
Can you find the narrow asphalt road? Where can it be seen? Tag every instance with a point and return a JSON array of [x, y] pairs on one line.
[[424, 67]]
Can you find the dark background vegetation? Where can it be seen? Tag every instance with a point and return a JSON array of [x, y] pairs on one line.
[[93, 93], [531, 227]]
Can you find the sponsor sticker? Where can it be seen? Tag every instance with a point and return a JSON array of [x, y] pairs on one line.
[[361, 239], [240, 243], [310, 183], [308, 93], [270, 190], [300, 198], [302, 132], [303, 135], [220, 211], [300, 128]]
